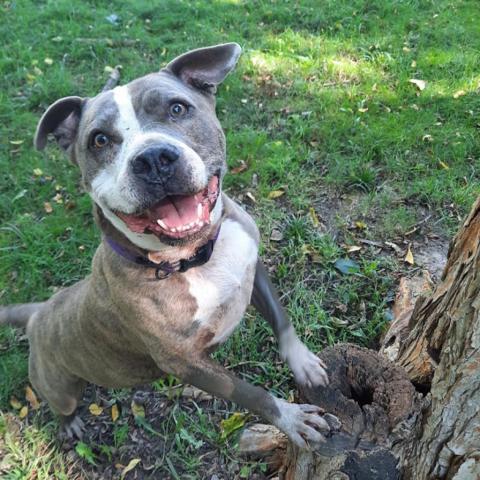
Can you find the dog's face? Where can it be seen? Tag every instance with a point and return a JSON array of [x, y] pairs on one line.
[[152, 152]]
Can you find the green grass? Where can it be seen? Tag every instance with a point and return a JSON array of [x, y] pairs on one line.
[[320, 106]]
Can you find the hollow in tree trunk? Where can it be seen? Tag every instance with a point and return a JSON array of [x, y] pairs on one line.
[[431, 431]]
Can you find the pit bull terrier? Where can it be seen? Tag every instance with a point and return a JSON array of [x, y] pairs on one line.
[[178, 262]]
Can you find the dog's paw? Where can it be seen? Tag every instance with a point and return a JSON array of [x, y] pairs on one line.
[[303, 424], [307, 368], [71, 428]]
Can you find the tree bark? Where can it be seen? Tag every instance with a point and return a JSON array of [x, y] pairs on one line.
[[435, 434]]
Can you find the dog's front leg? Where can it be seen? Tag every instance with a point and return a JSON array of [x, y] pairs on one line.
[[307, 368], [302, 423]]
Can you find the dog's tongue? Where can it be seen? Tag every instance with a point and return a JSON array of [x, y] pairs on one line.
[[176, 213], [178, 210]]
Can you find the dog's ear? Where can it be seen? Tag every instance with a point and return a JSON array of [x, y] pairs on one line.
[[205, 68], [61, 119]]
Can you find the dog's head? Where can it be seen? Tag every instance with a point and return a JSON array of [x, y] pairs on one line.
[[152, 152]]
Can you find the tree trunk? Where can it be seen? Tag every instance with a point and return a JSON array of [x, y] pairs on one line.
[[433, 432]]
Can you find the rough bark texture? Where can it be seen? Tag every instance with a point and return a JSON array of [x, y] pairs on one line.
[[442, 353], [434, 438]]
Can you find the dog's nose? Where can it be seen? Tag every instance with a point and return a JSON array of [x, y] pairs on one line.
[[154, 164]]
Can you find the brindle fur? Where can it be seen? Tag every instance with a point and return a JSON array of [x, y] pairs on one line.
[[120, 326]]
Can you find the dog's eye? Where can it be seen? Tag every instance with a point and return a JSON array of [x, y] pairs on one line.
[[178, 109], [100, 140]]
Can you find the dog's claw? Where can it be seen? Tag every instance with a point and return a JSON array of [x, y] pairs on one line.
[[303, 424], [72, 427]]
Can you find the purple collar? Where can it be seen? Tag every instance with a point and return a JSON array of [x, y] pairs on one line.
[[165, 269]]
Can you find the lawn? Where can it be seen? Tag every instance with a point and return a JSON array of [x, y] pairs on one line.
[[348, 124]]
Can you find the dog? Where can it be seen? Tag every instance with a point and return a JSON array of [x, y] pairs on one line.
[[178, 262]]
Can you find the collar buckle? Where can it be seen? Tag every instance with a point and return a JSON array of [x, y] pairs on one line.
[[164, 270]]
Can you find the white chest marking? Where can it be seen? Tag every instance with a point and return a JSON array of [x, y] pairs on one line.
[[223, 286]]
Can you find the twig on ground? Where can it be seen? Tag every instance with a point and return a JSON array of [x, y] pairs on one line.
[[113, 79]]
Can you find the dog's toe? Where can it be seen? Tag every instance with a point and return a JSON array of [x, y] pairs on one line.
[[72, 427], [304, 424], [307, 368]]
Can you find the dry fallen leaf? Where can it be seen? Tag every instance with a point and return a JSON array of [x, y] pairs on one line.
[[276, 235], [353, 248], [427, 138], [58, 198], [16, 142], [275, 194], [31, 398], [420, 84], [131, 465], [313, 216], [444, 165], [363, 110], [394, 246], [241, 168], [137, 410], [48, 61], [250, 196], [459, 94], [15, 403], [360, 225], [48, 207], [409, 257], [23, 412], [115, 413], [95, 409], [37, 172]]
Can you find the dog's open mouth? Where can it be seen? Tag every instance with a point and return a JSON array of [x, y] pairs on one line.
[[176, 216]]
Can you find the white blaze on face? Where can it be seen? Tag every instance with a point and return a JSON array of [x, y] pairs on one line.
[[113, 189], [110, 188]]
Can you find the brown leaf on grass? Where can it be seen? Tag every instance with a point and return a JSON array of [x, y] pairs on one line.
[[114, 412], [37, 172], [32, 398], [131, 465], [241, 168], [275, 194], [137, 410], [353, 248], [409, 257], [360, 225], [313, 216], [394, 246], [459, 94], [15, 403], [48, 207], [95, 409], [444, 165], [23, 412], [276, 235], [420, 84]]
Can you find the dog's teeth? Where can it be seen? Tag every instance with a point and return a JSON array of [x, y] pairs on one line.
[[201, 223], [162, 224], [173, 229], [199, 210]]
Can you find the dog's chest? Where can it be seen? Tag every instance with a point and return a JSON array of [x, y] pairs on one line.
[[222, 287]]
